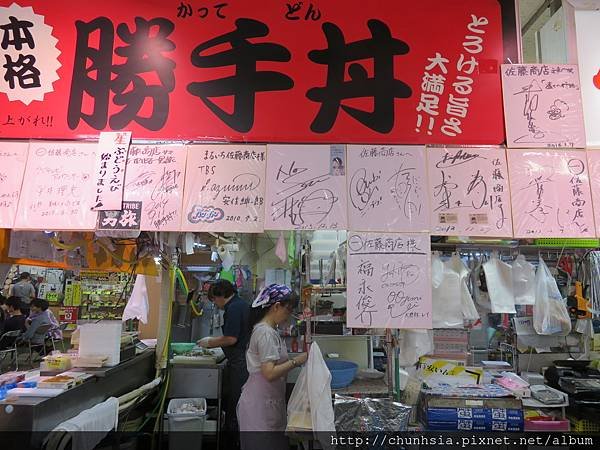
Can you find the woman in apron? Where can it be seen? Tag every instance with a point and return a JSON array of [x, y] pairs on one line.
[[262, 403]]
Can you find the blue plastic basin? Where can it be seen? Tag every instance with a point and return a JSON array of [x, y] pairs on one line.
[[342, 372]]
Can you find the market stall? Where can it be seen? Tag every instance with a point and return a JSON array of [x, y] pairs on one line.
[[413, 246]]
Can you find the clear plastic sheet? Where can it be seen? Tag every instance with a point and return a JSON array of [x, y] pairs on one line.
[[370, 414]]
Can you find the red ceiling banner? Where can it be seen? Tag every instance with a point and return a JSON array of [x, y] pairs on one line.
[[271, 71]]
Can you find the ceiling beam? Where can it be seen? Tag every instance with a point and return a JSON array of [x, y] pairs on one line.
[[554, 6]]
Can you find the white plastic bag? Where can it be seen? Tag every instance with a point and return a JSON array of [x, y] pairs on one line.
[[468, 307], [310, 407], [550, 315], [498, 277], [446, 295], [480, 296], [523, 274], [413, 345]]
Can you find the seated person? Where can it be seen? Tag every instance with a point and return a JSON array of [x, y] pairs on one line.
[[39, 317], [16, 319], [55, 332]]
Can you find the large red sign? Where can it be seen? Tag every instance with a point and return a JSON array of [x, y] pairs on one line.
[[312, 71]]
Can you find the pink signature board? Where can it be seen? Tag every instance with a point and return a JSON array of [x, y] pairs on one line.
[[155, 176], [387, 188], [13, 157], [59, 187], [542, 106], [224, 188], [306, 187], [469, 192], [550, 193], [389, 280], [593, 157]]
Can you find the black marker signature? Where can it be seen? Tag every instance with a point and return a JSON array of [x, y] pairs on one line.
[[299, 202], [142, 180], [363, 189], [404, 187], [530, 106], [400, 304], [460, 157]]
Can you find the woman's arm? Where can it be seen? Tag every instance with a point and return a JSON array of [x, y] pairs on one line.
[[272, 371]]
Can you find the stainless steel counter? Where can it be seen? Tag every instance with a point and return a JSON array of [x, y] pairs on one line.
[[34, 417]]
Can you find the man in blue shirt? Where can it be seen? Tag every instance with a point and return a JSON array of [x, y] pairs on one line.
[[234, 343]]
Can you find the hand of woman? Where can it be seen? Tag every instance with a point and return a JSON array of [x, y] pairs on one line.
[[301, 358]]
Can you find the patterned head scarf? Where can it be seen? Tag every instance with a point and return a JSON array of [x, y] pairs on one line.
[[270, 295]]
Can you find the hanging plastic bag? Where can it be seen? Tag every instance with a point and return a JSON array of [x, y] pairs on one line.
[[550, 315], [480, 293], [413, 345], [498, 276], [523, 274], [446, 295], [310, 407], [468, 307]]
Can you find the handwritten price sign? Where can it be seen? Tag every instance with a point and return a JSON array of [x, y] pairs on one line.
[[542, 106], [387, 188], [469, 192], [550, 193], [225, 188], [306, 187], [389, 280]]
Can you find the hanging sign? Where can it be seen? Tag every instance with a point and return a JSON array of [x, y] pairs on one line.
[[155, 177], [542, 106], [550, 193], [13, 157], [238, 71], [469, 192], [306, 187], [126, 219], [111, 159], [224, 188], [387, 188], [59, 187], [593, 158], [389, 280]]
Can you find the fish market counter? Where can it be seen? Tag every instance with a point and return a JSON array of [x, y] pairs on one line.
[[34, 417]]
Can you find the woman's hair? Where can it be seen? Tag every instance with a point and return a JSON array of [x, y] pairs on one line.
[[258, 313], [338, 160], [40, 303]]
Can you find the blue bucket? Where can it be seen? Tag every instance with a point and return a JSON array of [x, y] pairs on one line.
[[342, 372]]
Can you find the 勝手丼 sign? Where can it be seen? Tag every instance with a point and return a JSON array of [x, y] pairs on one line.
[[382, 72]]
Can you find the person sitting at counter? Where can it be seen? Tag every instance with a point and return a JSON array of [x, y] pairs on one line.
[[233, 342], [39, 317], [16, 319], [262, 403], [43, 309]]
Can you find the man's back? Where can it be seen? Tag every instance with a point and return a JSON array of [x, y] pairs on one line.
[[24, 290]]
